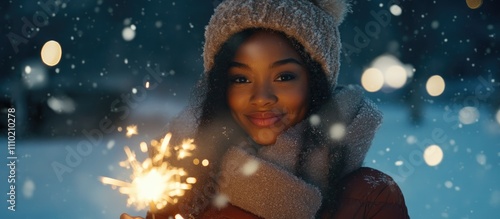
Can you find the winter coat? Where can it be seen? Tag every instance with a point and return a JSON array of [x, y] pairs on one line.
[[302, 178], [366, 193]]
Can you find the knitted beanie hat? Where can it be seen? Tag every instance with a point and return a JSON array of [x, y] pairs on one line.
[[313, 23]]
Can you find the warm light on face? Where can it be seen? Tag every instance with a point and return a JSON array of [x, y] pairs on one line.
[[435, 85], [51, 53], [268, 88], [372, 80], [433, 155]]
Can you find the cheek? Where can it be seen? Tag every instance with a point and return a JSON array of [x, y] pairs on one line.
[[297, 98], [296, 103], [236, 100]]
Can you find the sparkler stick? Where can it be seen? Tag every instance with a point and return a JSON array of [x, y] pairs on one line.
[[152, 209], [155, 182]]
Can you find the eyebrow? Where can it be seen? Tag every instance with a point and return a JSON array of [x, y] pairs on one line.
[[274, 65], [286, 61]]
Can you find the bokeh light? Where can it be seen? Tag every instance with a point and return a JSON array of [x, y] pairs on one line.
[[337, 131], [144, 147], [131, 130], [314, 120], [51, 53], [411, 139], [481, 159], [27, 69], [28, 188], [495, 198], [448, 184], [61, 104], [128, 33], [435, 85], [191, 180], [433, 155], [498, 116], [468, 115], [220, 200], [372, 80], [110, 144], [474, 4], [395, 10], [395, 76], [205, 162], [250, 167], [34, 75]]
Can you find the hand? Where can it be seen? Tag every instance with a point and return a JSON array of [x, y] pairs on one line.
[[126, 216]]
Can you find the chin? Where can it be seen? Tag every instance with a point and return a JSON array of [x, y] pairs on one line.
[[265, 143], [264, 138]]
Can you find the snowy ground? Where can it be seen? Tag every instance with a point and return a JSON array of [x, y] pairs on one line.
[[466, 184]]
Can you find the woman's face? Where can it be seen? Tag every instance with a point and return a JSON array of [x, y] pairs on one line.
[[268, 87]]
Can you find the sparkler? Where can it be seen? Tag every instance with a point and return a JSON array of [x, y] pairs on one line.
[[155, 182]]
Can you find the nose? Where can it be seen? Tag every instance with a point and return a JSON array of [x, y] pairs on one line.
[[263, 95]]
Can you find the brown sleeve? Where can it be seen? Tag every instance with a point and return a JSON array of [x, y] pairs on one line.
[[229, 212], [369, 193]]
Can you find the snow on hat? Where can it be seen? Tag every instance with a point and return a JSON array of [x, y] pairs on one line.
[[313, 23]]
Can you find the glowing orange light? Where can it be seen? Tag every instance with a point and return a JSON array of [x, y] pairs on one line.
[[474, 4], [433, 155], [372, 80], [131, 130], [205, 162], [155, 182], [435, 85], [51, 53]]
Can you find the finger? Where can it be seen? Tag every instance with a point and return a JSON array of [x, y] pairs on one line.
[[126, 216]]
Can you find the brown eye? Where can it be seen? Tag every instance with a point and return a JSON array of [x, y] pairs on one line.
[[286, 76], [239, 80]]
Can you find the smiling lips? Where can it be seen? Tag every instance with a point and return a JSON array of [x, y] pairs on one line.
[[264, 119]]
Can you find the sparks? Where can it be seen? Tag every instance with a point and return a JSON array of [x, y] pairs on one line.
[[155, 182], [131, 130]]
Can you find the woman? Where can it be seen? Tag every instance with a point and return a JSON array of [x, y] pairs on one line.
[[282, 139]]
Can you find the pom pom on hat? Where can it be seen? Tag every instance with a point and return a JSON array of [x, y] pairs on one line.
[[336, 8]]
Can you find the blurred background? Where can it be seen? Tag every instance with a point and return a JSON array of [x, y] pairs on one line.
[[432, 68]]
